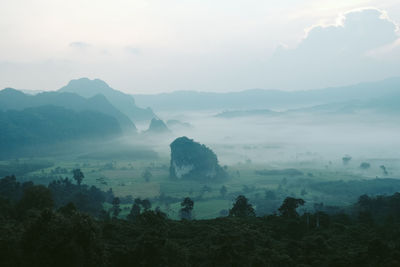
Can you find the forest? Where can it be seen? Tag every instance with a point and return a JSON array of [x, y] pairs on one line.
[[65, 224]]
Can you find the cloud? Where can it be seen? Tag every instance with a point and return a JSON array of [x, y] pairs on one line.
[[339, 53], [79, 45]]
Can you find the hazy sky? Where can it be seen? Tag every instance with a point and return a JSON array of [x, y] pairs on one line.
[[149, 46]]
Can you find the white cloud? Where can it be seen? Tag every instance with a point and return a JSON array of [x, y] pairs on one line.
[[337, 54]]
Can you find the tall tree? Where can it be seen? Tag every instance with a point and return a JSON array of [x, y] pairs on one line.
[[116, 208], [187, 206], [134, 213], [289, 206], [78, 176], [242, 208]]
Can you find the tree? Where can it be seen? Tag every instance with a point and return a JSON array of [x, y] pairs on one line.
[[146, 204], [223, 191], [187, 207], [147, 175], [365, 165], [134, 213], [346, 159], [78, 176], [289, 206], [242, 208], [383, 168], [115, 208]]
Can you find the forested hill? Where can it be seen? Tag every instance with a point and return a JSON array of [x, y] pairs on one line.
[[50, 124], [124, 102], [11, 99]]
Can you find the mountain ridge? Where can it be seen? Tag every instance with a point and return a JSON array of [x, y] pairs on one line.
[[124, 102], [267, 99], [12, 99]]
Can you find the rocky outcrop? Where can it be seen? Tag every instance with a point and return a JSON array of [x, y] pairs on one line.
[[193, 160]]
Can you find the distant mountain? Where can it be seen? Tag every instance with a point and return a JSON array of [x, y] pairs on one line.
[[124, 102], [157, 126], [44, 125], [11, 99], [261, 99], [31, 92], [381, 105], [245, 113]]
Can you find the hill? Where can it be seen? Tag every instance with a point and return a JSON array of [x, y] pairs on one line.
[[37, 126], [11, 99], [124, 102]]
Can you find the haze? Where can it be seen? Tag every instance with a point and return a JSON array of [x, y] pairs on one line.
[[160, 46]]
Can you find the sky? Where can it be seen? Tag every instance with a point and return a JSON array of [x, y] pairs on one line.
[[153, 46]]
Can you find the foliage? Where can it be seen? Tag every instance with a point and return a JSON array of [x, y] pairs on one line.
[[242, 208], [365, 165], [115, 210], [368, 236], [85, 198], [346, 159], [289, 206], [186, 211], [36, 197], [137, 206], [78, 176]]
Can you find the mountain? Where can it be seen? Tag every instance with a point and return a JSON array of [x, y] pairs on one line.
[[261, 99], [380, 105], [11, 99], [37, 126], [245, 113], [124, 102], [157, 126]]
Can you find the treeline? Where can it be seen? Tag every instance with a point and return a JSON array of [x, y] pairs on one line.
[[52, 226]]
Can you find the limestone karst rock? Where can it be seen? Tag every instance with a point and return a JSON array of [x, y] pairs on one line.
[[193, 160]]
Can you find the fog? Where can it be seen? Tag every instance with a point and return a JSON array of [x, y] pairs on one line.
[[287, 138]]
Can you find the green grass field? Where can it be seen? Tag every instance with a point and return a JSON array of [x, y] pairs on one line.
[[126, 178]]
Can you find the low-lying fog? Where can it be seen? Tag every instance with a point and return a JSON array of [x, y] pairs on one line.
[[287, 138]]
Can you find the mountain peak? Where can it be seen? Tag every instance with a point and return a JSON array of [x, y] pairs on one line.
[[11, 92], [125, 103], [87, 86]]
